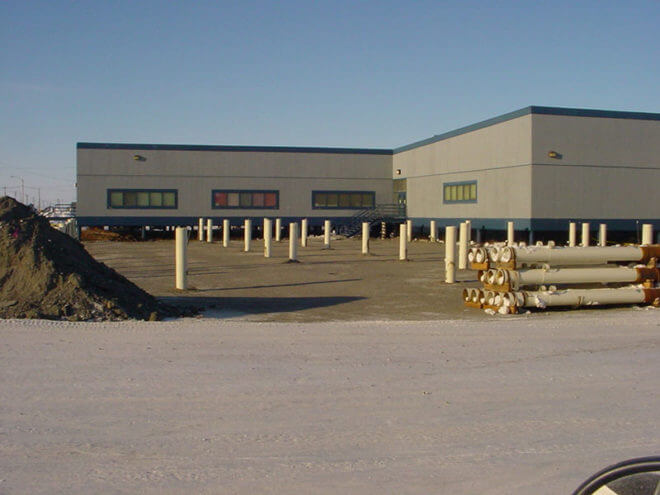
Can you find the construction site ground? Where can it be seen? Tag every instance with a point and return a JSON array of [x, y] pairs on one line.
[[337, 284], [325, 285]]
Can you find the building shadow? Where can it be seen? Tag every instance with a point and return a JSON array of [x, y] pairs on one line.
[[254, 305]]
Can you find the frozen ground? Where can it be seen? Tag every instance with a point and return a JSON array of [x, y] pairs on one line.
[[530, 404]]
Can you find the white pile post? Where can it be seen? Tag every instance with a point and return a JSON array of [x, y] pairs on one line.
[[462, 246], [209, 230], [278, 229], [602, 235], [365, 237], [326, 234], [468, 234], [247, 234], [293, 242], [409, 230], [303, 232], [403, 242], [434, 231], [200, 230], [585, 234], [647, 233], [181, 236], [510, 234], [268, 237], [572, 234], [450, 254], [226, 231]]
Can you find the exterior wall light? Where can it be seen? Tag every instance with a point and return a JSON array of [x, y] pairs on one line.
[[398, 171], [554, 154], [139, 158]]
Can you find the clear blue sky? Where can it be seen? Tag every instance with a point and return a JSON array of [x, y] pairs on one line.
[[300, 73]]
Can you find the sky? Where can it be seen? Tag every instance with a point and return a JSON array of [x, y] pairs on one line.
[[366, 74]]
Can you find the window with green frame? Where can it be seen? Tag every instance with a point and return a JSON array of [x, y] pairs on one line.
[[343, 200], [143, 198], [460, 192]]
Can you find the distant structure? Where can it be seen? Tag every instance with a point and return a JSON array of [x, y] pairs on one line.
[[539, 166]]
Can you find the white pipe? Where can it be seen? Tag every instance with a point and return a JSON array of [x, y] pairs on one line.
[[585, 234], [572, 234], [434, 231], [403, 244], [278, 229], [617, 274], [510, 238], [247, 234], [209, 230], [268, 237], [181, 236], [462, 246], [200, 230], [226, 232], [303, 232], [647, 233], [586, 297], [409, 230], [450, 254], [365, 237], [326, 234], [293, 242], [602, 235], [577, 255]]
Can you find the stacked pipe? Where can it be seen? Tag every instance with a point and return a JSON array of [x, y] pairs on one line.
[[516, 277]]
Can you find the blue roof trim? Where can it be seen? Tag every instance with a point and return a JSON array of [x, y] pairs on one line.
[[567, 112], [200, 147]]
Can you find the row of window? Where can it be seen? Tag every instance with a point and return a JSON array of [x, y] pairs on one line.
[[238, 199], [460, 192], [453, 192]]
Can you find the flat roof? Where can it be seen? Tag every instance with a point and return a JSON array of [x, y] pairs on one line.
[[201, 147], [567, 112]]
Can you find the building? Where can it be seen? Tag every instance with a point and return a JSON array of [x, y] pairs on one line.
[[539, 166]]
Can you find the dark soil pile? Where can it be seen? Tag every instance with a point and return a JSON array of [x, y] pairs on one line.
[[45, 273]]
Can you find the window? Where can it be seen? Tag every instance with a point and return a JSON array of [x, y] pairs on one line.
[[343, 200], [141, 199], [460, 192], [245, 199]]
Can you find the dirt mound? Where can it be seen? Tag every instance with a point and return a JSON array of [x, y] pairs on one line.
[[45, 273], [96, 234]]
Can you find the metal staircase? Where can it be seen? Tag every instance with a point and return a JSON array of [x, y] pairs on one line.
[[380, 213]]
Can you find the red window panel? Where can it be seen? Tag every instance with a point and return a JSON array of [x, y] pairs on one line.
[[258, 199], [220, 199], [270, 200]]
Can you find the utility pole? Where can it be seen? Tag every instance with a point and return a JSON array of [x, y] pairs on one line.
[[22, 187]]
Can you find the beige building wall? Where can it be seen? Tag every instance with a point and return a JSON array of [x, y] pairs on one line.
[[196, 173], [498, 157], [609, 168]]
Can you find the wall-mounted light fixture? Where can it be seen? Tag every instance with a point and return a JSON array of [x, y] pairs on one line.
[[554, 154], [398, 171], [139, 158]]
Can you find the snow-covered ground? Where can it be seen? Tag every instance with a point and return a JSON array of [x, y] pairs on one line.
[[528, 404]]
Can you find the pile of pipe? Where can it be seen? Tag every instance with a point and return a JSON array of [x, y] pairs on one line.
[[517, 277]]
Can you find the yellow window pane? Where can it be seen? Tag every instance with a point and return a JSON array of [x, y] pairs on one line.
[[156, 199], [169, 199], [459, 193], [473, 191], [333, 200], [320, 200], [143, 198], [116, 199]]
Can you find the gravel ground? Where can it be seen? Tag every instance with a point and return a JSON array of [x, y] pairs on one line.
[[526, 404]]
